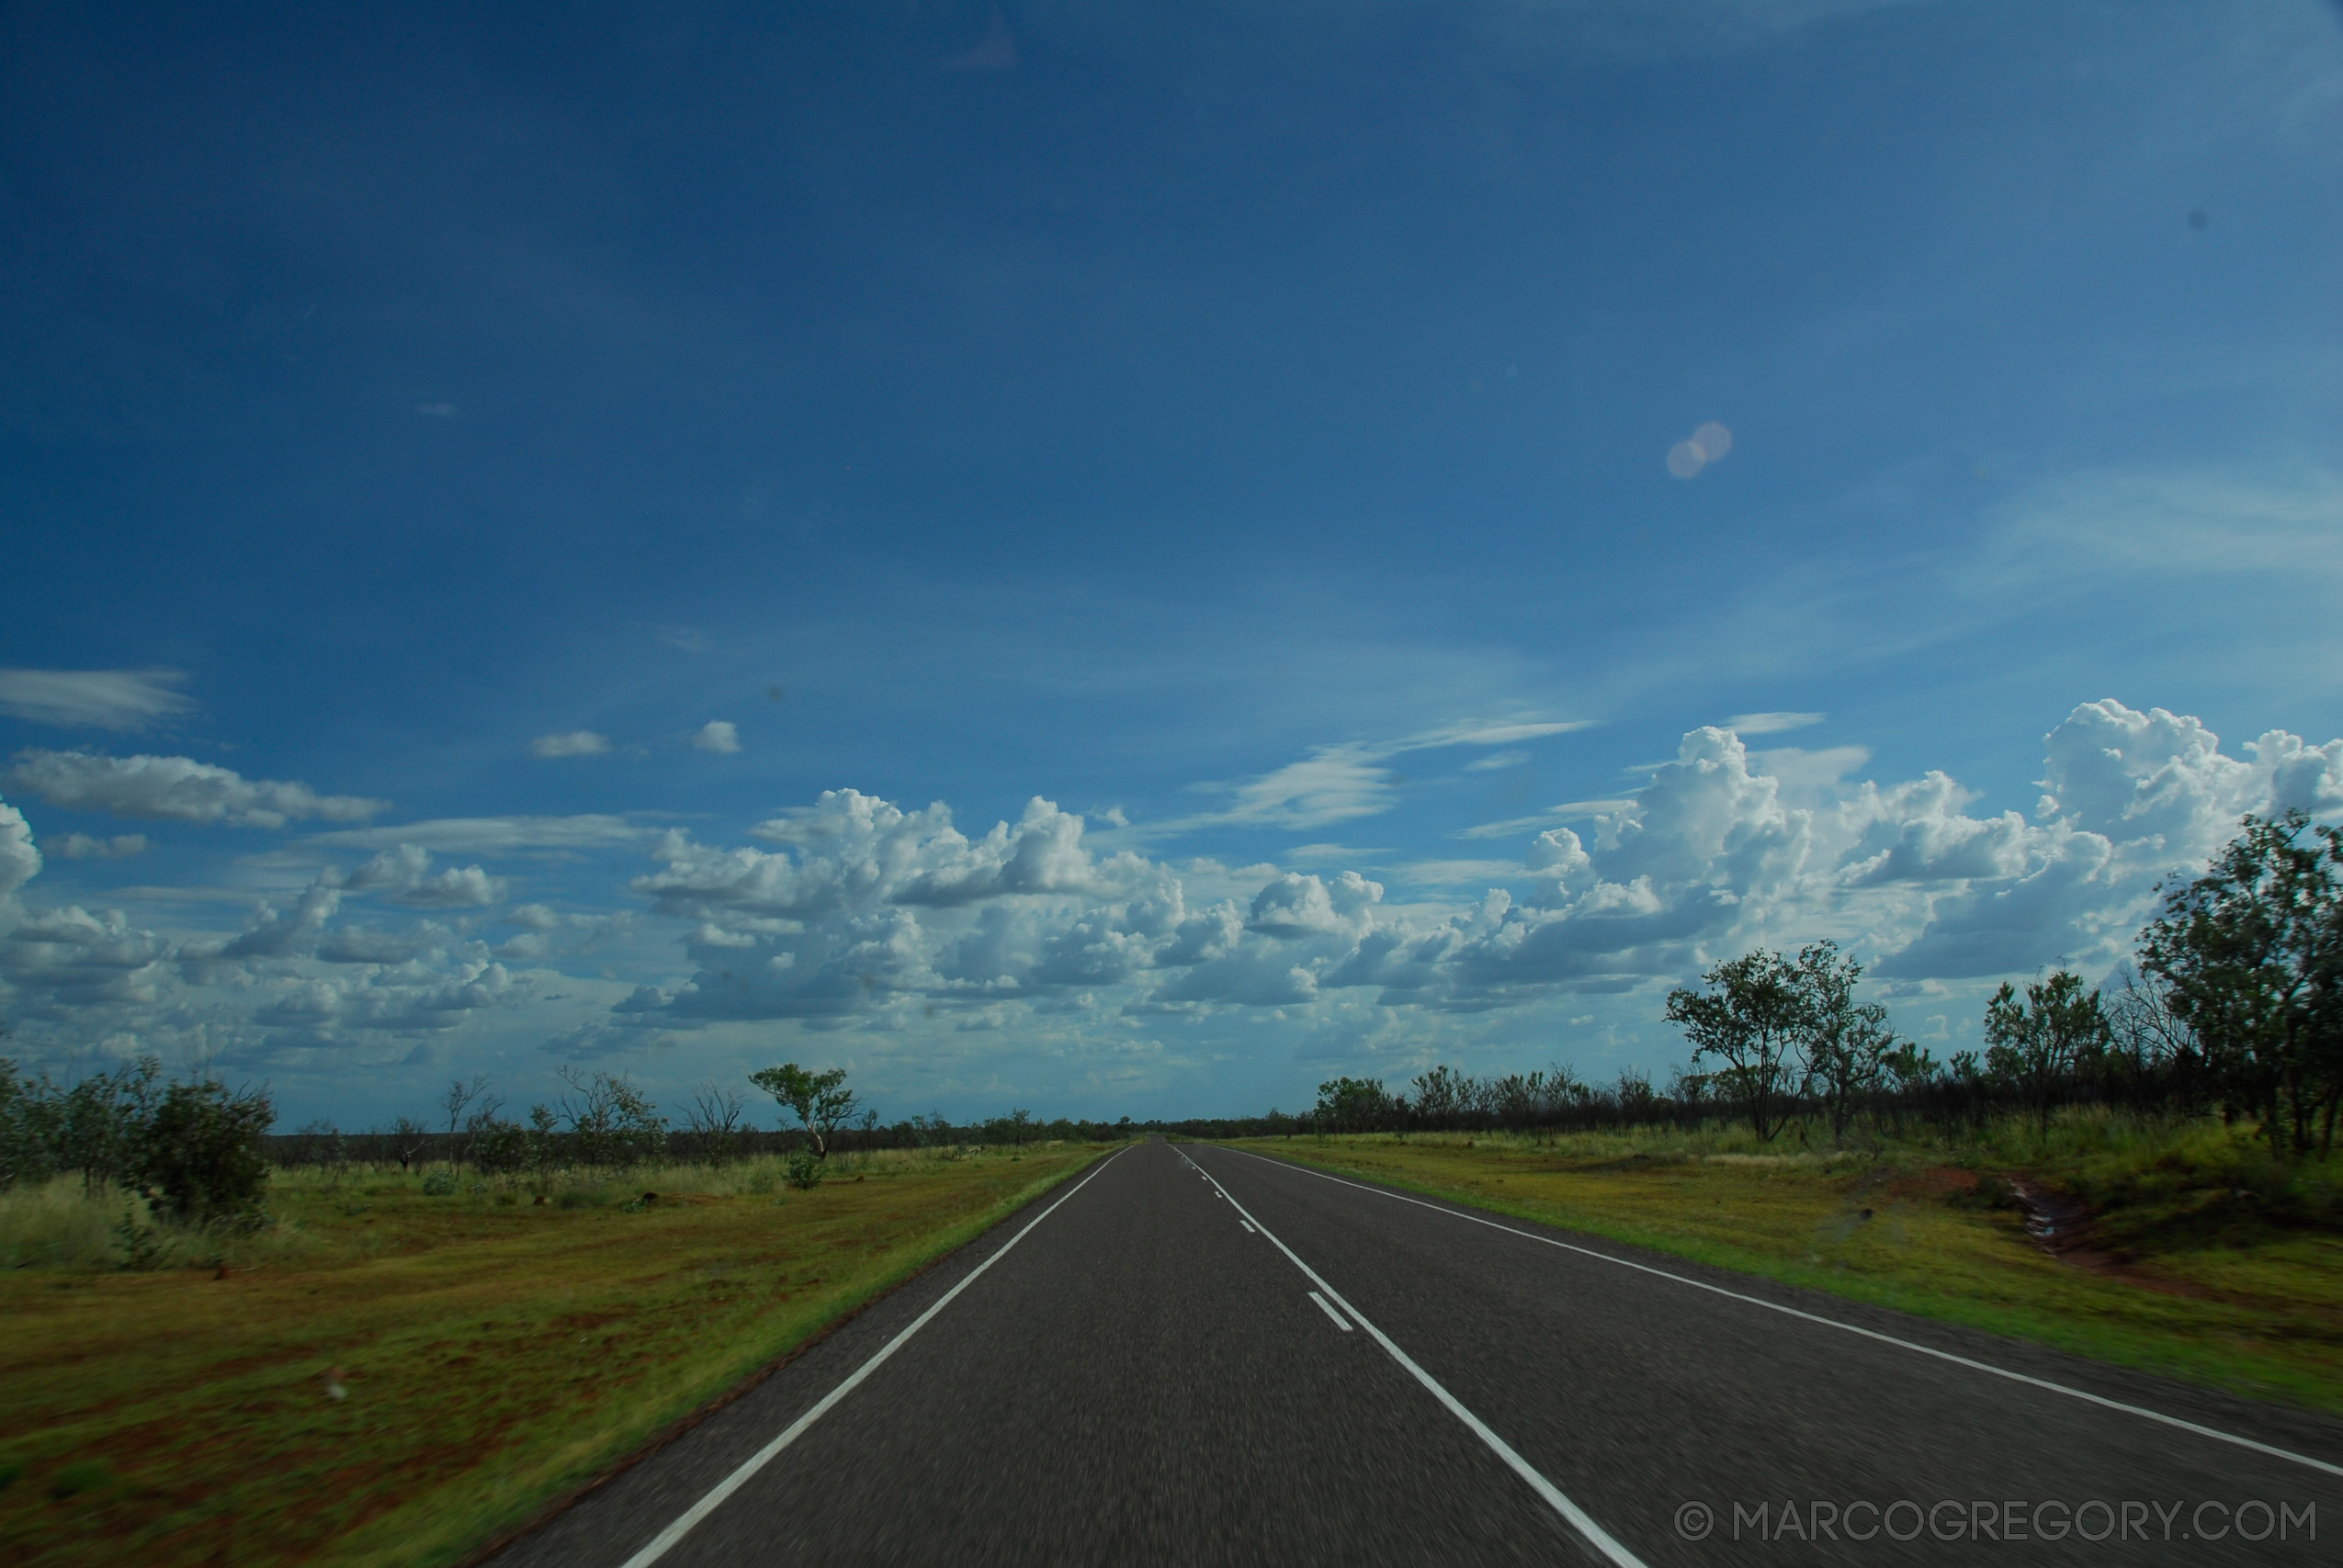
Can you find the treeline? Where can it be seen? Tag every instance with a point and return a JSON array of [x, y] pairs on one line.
[[601, 1122], [321, 1144], [201, 1150]]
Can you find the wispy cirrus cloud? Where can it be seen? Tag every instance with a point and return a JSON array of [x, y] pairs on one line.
[[175, 789], [95, 699], [570, 743], [1568, 811], [493, 835], [1335, 783], [1772, 723]]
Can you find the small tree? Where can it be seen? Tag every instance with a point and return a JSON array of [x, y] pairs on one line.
[[28, 1126], [713, 1118], [1752, 1018], [1354, 1105], [203, 1154], [822, 1100], [611, 1121], [452, 1099], [2037, 1043], [1846, 1043], [1444, 1096], [2152, 1048], [101, 1123], [498, 1148], [542, 1142], [1637, 1102], [409, 1137]]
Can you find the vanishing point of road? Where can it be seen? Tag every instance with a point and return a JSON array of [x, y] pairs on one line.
[[1197, 1355]]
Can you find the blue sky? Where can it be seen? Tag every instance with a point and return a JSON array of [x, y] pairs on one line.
[[1348, 455]]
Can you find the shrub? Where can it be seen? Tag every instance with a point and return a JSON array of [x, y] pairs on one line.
[[202, 1153], [439, 1184], [805, 1168], [500, 1147]]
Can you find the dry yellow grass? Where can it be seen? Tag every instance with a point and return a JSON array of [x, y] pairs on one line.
[[491, 1354]]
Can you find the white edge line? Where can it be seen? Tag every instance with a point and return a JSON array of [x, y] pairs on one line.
[[665, 1540], [1339, 1320], [1578, 1518], [2101, 1400]]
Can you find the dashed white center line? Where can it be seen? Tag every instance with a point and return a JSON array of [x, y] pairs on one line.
[[1577, 1518], [1339, 1320], [1249, 1227]]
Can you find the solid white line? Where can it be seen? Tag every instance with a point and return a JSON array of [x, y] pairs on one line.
[[666, 1539], [1339, 1320], [1600, 1538], [2083, 1394]]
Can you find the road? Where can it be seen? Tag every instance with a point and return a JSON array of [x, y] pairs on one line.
[[1197, 1355]]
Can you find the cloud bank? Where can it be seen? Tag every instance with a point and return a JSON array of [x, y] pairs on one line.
[[856, 911], [867, 905]]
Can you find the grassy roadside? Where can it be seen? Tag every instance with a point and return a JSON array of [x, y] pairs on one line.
[[2195, 1259], [489, 1352]]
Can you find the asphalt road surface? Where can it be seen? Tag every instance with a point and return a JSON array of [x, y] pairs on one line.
[[1195, 1355]]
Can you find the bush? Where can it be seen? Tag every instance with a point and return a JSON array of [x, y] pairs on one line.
[[202, 1153], [500, 1147], [805, 1168], [439, 1184]]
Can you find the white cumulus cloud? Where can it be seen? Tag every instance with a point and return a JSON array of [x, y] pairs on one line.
[[404, 875], [718, 734]]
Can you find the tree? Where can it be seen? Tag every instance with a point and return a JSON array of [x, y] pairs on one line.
[[2153, 1050], [1354, 1105], [611, 1122], [27, 1126], [713, 1119], [100, 1124], [541, 1145], [498, 1148], [203, 1154], [408, 1138], [822, 1100], [2038, 1043], [453, 1100], [1846, 1045], [1637, 1102], [2251, 954], [1752, 1018], [1443, 1096]]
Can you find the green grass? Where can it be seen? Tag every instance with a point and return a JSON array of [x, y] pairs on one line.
[[2207, 1262], [491, 1352]]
